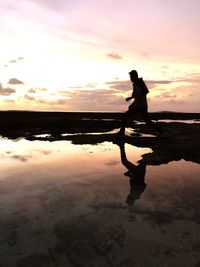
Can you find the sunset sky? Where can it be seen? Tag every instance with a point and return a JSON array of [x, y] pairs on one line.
[[75, 55]]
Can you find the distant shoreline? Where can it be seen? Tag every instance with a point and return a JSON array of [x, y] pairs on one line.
[[112, 112], [4, 114]]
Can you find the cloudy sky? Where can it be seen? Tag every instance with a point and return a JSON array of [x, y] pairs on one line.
[[75, 55]]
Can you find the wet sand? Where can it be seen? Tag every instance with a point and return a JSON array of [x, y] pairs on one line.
[[68, 200]]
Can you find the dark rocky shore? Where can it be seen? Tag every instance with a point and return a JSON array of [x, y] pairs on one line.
[[181, 142], [73, 122]]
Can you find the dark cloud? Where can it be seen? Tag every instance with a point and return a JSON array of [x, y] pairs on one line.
[[126, 85], [44, 101], [155, 82], [145, 54], [114, 55], [91, 85], [170, 99], [85, 93], [189, 78], [91, 100], [176, 101], [88, 85], [86, 100], [19, 59], [192, 78], [167, 95], [13, 61], [36, 89], [11, 101], [6, 91], [120, 85], [45, 152], [15, 81], [29, 98], [32, 91], [53, 103], [60, 102]]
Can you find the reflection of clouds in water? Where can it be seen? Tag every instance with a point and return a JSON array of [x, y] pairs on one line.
[[106, 146], [180, 121], [16, 155], [21, 158], [112, 162], [85, 148], [45, 152], [102, 147], [22, 150]]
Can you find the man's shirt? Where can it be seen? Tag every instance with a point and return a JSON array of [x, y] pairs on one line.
[[139, 93]]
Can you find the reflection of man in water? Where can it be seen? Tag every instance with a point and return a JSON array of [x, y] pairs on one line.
[[139, 105], [136, 174]]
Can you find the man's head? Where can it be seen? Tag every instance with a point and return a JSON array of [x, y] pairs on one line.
[[133, 75]]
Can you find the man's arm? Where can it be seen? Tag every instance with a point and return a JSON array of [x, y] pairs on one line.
[[130, 97]]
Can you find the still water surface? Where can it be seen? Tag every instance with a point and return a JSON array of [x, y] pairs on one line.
[[66, 205]]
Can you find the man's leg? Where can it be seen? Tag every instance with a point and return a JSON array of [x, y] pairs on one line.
[[149, 122], [129, 113]]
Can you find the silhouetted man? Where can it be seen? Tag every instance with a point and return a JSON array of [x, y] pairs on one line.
[[136, 174], [139, 105]]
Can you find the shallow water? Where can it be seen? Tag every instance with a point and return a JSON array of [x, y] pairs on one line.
[[196, 121], [128, 132], [84, 205], [181, 121]]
